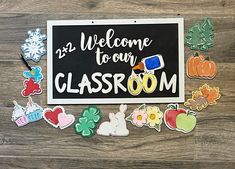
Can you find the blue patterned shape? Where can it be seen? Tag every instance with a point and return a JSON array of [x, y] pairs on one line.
[[33, 51], [36, 74], [34, 48], [35, 36]]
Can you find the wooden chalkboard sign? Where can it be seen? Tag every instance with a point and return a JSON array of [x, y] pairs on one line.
[[115, 61]]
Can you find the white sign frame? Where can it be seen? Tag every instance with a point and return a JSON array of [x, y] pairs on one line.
[[51, 23]]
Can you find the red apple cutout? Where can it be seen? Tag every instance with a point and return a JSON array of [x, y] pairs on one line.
[[170, 115]]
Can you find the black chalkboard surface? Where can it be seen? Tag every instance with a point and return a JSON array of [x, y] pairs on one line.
[[115, 61]]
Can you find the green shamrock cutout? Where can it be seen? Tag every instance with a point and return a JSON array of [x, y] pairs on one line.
[[86, 124], [200, 36], [92, 113], [85, 127]]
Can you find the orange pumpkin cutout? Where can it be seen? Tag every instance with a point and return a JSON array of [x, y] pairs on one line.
[[198, 66], [192, 63], [207, 68]]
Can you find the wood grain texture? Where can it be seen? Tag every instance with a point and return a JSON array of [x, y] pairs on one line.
[[38, 145], [13, 32], [62, 163], [121, 6]]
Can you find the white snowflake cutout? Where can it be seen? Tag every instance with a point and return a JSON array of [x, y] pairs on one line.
[[34, 48], [33, 51], [35, 36]]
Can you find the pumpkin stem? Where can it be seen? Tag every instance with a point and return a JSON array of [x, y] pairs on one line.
[[207, 58], [196, 54]]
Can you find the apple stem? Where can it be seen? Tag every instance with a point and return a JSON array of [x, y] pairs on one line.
[[191, 113], [173, 106]]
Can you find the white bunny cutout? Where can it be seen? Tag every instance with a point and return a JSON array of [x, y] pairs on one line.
[[117, 124]]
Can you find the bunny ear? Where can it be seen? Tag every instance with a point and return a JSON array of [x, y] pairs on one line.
[[111, 115], [123, 108]]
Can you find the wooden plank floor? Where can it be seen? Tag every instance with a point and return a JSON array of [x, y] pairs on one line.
[[38, 145]]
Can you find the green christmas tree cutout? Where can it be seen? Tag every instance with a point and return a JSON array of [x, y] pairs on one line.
[[200, 36], [195, 38], [207, 28]]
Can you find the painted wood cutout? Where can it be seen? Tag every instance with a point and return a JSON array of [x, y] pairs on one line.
[[117, 124], [205, 96], [200, 66], [58, 118], [180, 119], [150, 116]]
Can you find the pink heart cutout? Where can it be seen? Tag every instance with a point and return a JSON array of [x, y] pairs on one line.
[[65, 120]]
